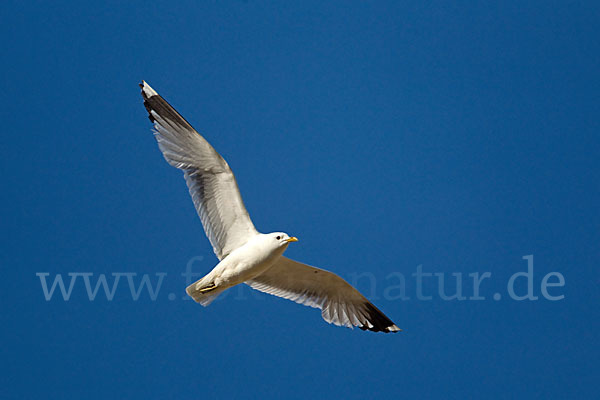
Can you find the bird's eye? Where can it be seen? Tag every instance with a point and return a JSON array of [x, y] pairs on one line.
[[278, 237]]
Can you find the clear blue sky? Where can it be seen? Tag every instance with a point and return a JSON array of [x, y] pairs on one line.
[[385, 135]]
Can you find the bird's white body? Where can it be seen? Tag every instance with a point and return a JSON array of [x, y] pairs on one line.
[[244, 263]]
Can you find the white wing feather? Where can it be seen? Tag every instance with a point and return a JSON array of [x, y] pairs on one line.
[[211, 182], [341, 304]]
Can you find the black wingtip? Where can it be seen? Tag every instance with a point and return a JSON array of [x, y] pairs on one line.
[[157, 106], [149, 109], [147, 104], [380, 322]]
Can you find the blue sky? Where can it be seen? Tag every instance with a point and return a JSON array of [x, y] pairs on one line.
[[385, 135]]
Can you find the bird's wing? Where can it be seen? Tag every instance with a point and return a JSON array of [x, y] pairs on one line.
[[341, 304], [211, 182]]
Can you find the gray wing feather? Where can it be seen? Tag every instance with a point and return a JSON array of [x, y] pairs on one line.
[[341, 304], [210, 181]]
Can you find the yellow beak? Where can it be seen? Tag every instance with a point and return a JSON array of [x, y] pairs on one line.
[[292, 239]]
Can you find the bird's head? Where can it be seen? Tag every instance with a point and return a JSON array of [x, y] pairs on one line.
[[282, 238]]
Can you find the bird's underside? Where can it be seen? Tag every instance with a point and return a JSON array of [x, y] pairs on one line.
[[228, 226]]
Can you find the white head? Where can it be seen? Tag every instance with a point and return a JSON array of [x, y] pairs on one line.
[[282, 239]]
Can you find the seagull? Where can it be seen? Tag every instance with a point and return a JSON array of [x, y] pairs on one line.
[[246, 255]]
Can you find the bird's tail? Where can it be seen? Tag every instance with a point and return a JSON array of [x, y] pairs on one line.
[[203, 292]]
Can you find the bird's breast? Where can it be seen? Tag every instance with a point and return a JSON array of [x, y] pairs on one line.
[[247, 262]]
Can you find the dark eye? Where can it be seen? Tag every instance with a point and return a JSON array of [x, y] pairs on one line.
[[278, 237]]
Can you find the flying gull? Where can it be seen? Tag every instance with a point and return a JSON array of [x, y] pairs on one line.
[[246, 255]]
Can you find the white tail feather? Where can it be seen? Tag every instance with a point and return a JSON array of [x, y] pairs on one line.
[[194, 291]]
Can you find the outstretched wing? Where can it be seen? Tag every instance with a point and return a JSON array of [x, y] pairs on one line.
[[210, 181], [341, 304]]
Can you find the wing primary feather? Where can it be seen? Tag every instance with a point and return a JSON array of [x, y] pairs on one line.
[[340, 303], [210, 181]]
